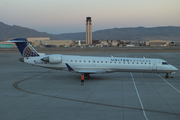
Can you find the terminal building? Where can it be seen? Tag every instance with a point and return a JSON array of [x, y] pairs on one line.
[[157, 43]]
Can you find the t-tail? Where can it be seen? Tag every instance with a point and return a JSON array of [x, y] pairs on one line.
[[25, 47]]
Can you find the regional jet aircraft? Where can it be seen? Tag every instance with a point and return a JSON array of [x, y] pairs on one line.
[[86, 65], [47, 45]]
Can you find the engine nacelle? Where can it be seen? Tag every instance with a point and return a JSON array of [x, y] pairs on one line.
[[54, 59]]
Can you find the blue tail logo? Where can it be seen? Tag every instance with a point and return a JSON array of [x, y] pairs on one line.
[[25, 48], [29, 51]]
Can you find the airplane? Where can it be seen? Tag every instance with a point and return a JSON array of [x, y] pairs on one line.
[[86, 65], [47, 45]]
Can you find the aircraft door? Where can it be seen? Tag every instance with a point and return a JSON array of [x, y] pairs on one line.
[[154, 66]]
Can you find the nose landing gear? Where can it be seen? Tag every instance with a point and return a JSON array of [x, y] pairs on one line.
[[167, 75]]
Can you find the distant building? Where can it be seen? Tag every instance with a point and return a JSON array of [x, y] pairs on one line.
[[115, 43], [157, 43], [6, 45], [109, 41], [79, 42], [38, 38], [58, 43], [130, 45], [103, 42], [34, 39], [88, 30]]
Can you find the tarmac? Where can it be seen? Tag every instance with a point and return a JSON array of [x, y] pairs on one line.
[[33, 93]]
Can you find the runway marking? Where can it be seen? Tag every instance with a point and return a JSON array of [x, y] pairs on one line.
[[169, 83], [144, 113], [108, 105]]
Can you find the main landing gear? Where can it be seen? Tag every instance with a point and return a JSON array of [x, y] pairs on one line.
[[84, 76]]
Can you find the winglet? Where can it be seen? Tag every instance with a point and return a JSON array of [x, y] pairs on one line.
[[69, 67]]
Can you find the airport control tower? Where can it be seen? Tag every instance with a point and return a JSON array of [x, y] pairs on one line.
[[88, 30]]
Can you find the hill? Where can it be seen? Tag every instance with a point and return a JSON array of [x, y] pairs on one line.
[[7, 32], [137, 33]]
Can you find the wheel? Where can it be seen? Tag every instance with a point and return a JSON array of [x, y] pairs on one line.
[[87, 77], [166, 76]]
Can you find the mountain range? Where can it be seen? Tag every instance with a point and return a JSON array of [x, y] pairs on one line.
[[137, 33]]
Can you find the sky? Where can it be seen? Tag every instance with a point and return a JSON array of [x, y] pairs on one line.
[[69, 16]]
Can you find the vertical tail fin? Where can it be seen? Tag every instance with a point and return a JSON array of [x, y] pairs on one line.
[[41, 43], [24, 47]]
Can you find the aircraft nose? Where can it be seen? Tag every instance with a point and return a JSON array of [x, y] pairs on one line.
[[174, 68]]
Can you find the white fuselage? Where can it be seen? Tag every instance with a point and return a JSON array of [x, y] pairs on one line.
[[91, 65]]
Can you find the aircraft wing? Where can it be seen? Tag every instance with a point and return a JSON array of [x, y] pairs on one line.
[[86, 70], [90, 71]]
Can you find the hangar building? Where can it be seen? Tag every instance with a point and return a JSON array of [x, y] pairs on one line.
[[33, 40], [157, 43], [46, 41], [58, 43]]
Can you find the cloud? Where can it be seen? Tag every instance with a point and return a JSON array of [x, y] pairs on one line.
[[1, 4]]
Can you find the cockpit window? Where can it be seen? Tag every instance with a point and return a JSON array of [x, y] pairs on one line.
[[165, 63]]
